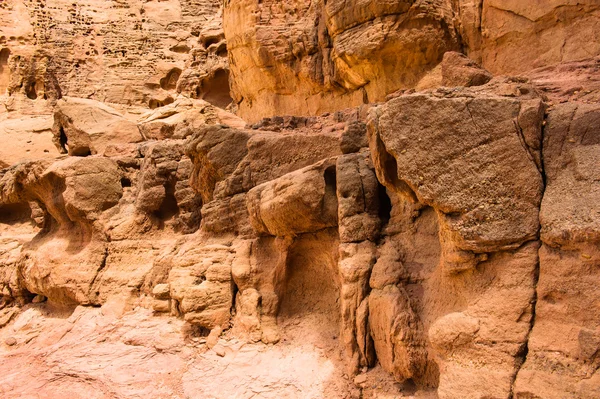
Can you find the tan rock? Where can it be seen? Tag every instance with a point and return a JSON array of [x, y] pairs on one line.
[[83, 127], [565, 333], [320, 62], [161, 291], [301, 202], [458, 70], [213, 338], [481, 209]]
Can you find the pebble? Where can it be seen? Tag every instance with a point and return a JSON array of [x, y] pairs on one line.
[[360, 379], [10, 341], [219, 350]]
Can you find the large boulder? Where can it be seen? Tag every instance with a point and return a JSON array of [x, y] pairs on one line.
[[300, 202], [443, 152], [462, 170], [86, 127]]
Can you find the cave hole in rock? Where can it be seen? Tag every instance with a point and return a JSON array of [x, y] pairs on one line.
[[210, 40], [195, 331], [330, 202], [63, 140], [168, 208], [215, 89], [221, 50], [169, 82], [155, 103], [4, 71], [125, 182], [390, 166], [12, 214], [30, 91], [26, 296], [310, 295], [385, 204]]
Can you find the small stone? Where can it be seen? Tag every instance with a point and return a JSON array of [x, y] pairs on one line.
[[161, 291], [219, 350], [213, 337], [360, 379], [38, 299], [10, 341], [161, 305]]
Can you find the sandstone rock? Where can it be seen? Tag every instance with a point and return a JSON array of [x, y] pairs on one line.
[[139, 58], [25, 137], [458, 70], [288, 153], [219, 350], [161, 291], [161, 305], [405, 171], [182, 118], [563, 343], [200, 283], [354, 138], [6, 315], [215, 151], [163, 187], [569, 213], [300, 202], [320, 61], [355, 263], [522, 36], [213, 338], [570, 81], [228, 215], [497, 213], [84, 127], [358, 199], [34, 76], [73, 192], [442, 243]]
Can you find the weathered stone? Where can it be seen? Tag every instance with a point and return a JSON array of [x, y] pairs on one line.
[[300, 202], [563, 344], [458, 70], [441, 152], [83, 127]]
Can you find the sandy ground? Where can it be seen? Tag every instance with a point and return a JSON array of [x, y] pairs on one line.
[[94, 353]]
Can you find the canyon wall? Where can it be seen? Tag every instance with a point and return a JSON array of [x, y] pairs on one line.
[[419, 178]]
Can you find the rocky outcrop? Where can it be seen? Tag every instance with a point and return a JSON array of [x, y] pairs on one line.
[[123, 52], [566, 366], [310, 58], [323, 56], [360, 192], [465, 196], [86, 127]]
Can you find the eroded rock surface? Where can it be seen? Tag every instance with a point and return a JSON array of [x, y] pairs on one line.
[[299, 199]]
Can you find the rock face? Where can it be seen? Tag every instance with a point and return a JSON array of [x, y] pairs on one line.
[[313, 57], [568, 261], [356, 186]]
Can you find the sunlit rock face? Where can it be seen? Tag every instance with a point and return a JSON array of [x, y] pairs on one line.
[[299, 199], [321, 56], [312, 57]]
